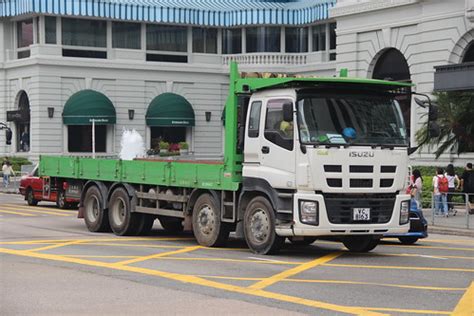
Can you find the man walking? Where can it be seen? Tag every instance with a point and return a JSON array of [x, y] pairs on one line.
[[440, 191], [467, 184]]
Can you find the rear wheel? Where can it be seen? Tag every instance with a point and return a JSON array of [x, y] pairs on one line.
[[207, 226], [95, 215], [306, 241], [408, 240], [171, 224], [360, 243], [122, 221], [259, 227], [30, 198]]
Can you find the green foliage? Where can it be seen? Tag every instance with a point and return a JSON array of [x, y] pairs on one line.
[[456, 122], [183, 145], [164, 145], [16, 162]]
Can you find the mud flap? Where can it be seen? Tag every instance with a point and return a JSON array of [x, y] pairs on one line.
[[80, 213]]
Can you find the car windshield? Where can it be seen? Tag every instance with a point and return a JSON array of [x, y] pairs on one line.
[[352, 119]]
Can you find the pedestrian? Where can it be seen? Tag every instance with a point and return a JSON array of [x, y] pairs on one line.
[[7, 171], [453, 184], [417, 187], [467, 184], [440, 190]]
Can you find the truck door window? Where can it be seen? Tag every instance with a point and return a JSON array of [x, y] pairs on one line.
[[277, 130], [254, 119]]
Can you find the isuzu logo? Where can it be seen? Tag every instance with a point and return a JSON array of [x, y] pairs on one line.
[[361, 154]]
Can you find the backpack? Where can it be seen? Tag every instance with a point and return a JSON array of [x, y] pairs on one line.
[[443, 185]]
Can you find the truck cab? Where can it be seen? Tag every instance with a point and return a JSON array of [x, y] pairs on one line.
[[332, 160]]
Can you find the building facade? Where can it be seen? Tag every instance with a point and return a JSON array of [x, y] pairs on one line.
[[161, 66]]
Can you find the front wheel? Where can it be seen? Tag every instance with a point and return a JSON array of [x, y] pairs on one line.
[[207, 226], [30, 198], [259, 227], [360, 243], [408, 240]]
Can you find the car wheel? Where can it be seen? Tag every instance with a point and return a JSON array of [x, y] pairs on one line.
[[360, 243], [61, 200], [30, 198], [259, 227], [207, 226], [95, 216], [408, 240]]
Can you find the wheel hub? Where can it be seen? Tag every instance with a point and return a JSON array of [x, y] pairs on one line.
[[260, 226], [93, 208], [206, 220], [119, 211]]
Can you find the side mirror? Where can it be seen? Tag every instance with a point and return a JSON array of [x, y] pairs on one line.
[[420, 102], [9, 135], [288, 112], [433, 113], [433, 130]]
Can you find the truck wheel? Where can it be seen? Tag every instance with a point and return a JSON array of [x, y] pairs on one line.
[[122, 221], [360, 243], [95, 215], [408, 240], [171, 224], [30, 198], [306, 241], [207, 226], [259, 227], [146, 224], [61, 200]]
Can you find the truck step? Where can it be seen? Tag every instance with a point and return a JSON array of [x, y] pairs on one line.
[[285, 195]]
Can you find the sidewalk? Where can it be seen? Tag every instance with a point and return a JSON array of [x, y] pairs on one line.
[[452, 225], [12, 187]]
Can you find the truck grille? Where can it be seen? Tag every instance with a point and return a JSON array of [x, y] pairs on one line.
[[339, 207], [360, 176]]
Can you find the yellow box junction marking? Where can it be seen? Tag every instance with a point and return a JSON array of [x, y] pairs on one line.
[[15, 213], [158, 255], [36, 211], [396, 267], [290, 272], [466, 304], [59, 245], [195, 280], [40, 208]]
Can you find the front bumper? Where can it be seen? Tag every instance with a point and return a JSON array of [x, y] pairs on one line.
[[326, 228]]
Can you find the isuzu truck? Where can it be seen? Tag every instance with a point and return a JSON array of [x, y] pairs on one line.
[[304, 158]]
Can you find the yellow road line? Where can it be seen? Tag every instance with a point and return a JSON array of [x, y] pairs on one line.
[[37, 211], [196, 280], [230, 260], [396, 267], [451, 241], [15, 213], [30, 242], [134, 245], [59, 245], [416, 287], [414, 255], [99, 256], [411, 311], [466, 303], [24, 206], [290, 272], [158, 255]]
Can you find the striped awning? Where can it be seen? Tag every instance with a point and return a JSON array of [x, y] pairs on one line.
[[223, 13]]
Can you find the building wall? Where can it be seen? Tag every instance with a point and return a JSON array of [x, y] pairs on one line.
[[427, 33]]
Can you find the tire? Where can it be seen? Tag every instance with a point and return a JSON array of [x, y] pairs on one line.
[[146, 224], [259, 227], [171, 224], [30, 198], [61, 200], [95, 216], [408, 240], [305, 242], [360, 243], [207, 226], [122, 221]]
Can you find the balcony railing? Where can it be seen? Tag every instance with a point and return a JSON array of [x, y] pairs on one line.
[[266, 59]]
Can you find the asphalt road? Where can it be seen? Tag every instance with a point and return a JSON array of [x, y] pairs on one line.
[[51, 265]]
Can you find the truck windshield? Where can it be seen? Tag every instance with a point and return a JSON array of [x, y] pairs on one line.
[[351, 119]]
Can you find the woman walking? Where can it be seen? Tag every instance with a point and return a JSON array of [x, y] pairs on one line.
[[7, 171], [417, 187], [453, 184]]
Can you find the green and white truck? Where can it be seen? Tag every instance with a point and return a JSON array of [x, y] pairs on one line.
[[304, 158]]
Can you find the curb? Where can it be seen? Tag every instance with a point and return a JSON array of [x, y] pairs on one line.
[[450, 231]]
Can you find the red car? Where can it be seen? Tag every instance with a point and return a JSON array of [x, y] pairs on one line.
[[35, 189]]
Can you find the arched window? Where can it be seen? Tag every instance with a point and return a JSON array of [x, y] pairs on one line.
[[22, 123], [392, 65], [469, 54]]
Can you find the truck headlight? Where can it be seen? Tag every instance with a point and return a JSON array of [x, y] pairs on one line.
[[309, 212], [404, 212]]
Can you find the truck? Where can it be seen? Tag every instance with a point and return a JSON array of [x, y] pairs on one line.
[[304, 158]]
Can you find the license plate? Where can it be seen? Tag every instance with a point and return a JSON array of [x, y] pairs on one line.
[[361, 214]]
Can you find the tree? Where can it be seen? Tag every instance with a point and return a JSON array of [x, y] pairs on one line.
[[456, 122]]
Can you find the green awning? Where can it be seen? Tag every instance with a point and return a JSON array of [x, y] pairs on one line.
[[87, 105], [169, 109]]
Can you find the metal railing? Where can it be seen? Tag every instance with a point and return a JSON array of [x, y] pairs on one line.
[[459, 210], [266, 59]]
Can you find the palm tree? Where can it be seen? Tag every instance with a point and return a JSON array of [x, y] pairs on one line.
[[456, 123]]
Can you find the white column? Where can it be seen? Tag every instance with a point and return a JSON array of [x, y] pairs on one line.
[[109, 35], [219, 41], [143, 37], [310, 38], [244, 42], [59, 35], [42, 30], [35, 31], [282, 40]]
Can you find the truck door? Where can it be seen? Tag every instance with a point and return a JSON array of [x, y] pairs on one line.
[[277, 143]]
